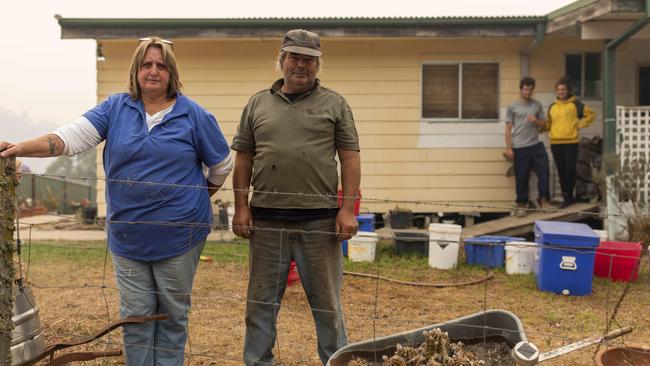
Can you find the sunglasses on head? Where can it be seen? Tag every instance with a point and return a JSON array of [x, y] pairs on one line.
[[167, 42]]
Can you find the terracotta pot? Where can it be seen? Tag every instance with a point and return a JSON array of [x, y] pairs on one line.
[[629, 355]]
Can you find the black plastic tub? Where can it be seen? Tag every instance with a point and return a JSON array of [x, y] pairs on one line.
[[411, 242], [400, 219], [498, 326]]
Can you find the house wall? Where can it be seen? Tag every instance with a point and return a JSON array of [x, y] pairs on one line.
[[629, 56], [403, 157]]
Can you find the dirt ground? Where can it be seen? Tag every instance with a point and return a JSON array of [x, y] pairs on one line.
[[58, 273]]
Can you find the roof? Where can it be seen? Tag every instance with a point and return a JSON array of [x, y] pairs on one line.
[[111, 28], [582, 11], [465, 26]]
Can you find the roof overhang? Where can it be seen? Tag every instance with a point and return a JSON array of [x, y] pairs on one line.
[[96, 28], [570, 18]]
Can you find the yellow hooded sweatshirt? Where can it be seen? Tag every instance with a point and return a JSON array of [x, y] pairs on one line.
[[563, 124]]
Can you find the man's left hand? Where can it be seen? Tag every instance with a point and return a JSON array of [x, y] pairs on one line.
[[346, 224]]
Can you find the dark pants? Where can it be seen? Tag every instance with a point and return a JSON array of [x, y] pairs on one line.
[[531, 158], [566, 160], [319, 260]]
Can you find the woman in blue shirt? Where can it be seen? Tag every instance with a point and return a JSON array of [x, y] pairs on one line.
[[155, 231]]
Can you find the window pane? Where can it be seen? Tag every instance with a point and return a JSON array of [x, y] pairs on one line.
[[574, 73], [592, 75], [440, 91], [480, 91]]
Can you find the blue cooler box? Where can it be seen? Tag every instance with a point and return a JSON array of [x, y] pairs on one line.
[[566, 257], [366, 222], [487, 250]]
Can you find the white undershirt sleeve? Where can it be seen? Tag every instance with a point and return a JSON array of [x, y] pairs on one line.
[[218, 173], [78, 136]]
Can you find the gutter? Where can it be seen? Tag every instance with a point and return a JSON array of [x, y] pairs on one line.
[[609, 107], [540, 33]]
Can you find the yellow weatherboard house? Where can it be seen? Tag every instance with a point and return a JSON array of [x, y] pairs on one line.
[[429, 94]]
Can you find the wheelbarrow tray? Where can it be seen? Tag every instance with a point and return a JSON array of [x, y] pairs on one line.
[[498, 326]]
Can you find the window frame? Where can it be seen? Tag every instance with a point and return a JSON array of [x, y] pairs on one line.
[[583, 72], [459, 119]]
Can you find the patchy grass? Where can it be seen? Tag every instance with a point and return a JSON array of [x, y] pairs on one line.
[[63, 276]]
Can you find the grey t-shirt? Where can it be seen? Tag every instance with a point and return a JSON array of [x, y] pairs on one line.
[[524, 133], [295, 144]]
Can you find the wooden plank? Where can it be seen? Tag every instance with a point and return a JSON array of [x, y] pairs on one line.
[[514, 226]]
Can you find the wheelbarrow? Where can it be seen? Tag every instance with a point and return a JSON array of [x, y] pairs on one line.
[[497, 326]]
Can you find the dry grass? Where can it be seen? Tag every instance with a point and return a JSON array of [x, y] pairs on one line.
[[217, 318]]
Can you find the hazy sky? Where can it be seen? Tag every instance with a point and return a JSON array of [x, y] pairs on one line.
[[46, 81]]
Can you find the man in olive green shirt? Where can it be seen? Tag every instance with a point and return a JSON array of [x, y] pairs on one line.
[[286, 143]]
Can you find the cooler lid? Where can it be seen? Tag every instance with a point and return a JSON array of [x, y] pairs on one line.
[[492, 239], [565, 233]]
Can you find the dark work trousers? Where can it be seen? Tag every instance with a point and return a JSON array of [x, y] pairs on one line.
[[531, 158], [566, 160], [318, 256]]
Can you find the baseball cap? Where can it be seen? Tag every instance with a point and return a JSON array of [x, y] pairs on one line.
[[302, 42]]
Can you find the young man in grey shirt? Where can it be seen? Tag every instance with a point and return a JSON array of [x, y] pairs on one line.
[[525, 118]]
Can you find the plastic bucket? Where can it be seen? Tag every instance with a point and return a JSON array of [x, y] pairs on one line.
[[27, 340], [293, 277], [366, 222], [444, 245], [602, 234], [362, 247], [520, 257]]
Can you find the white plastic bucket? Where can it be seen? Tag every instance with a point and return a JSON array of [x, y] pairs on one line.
[[231, 214], [602, 234], [521, 257], [443, 245], [362, 247]]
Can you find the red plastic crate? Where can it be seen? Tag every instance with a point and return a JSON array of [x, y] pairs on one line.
[[623, 257]]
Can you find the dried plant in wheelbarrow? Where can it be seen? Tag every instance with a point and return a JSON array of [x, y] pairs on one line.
[[436, 350]]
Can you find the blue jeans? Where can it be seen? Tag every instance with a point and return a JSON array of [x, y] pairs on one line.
[[531, 158], [319, 260], [157, 287]]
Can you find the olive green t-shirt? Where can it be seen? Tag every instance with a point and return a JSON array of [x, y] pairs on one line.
[[295, 145]]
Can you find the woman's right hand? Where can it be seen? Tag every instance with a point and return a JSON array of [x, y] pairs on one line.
[[8, 149], [242, 222]]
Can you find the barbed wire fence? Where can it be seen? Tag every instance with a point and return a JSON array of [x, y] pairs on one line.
[[371, 316]]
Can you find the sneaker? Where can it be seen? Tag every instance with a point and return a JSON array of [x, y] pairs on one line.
[[521, 209], [544, 203], [566, 204]]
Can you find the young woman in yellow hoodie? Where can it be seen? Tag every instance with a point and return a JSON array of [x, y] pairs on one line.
[[566, 116]]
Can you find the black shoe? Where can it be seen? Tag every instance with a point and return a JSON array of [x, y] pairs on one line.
[[566, 204]]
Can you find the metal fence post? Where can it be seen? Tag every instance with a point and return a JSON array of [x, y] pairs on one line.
[[7, 271]]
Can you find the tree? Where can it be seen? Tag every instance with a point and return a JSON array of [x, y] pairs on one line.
[[80, 165]]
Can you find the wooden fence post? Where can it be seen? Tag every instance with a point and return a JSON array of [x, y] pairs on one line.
[[7, 271]]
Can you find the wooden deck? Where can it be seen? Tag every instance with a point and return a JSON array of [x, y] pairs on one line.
[[518, 226]]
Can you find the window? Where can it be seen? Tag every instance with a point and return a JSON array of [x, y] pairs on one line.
[[584, 73], [460, 91]]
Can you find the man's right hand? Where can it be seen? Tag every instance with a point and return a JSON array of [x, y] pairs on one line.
[[509, 154], [242, 222]]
